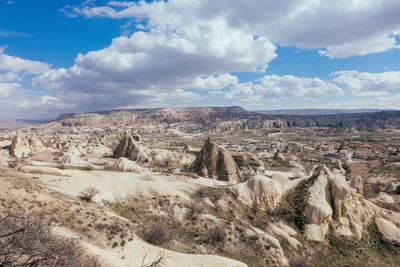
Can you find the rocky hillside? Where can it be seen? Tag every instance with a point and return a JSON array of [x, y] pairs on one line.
[[155, 116], [317, 111], [224, 118]]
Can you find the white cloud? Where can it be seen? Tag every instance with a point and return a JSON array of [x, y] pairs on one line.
[[7, 89], [18, 65], [241, 91], [274, 87], [364, 81], [362, 47], [292, 86], [10, 76], [215, 82], [343, 27], [15, 99], [135, 69]]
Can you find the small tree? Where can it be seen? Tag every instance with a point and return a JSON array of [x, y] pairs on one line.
[[217, 235], [26, 240], [298, 261], [158, 234], [88, 194]]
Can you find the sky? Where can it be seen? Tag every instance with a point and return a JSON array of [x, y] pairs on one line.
[[87, 55]]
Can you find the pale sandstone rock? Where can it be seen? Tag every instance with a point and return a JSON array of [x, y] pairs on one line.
[[332, 201], [126, 165], [127, 147], [216, 162], [262, 191], [73, 160], [356, 182], [187, 149], [100, 151], [281, 229], [164, 156], [71, 149], [384, 198], [388, 229], [35, 143], [278, 156], [318, 210], [19, 147]]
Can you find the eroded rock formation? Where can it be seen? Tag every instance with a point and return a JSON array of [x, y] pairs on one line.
[[19, 146], [332, 202], [129, 148], [215, 162], [126, 165]]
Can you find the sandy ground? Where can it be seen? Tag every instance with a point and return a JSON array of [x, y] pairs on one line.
[[113, 185], [138, 253], [118, 185]]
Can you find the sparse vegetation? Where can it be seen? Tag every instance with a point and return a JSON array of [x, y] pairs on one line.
[[298, 261], [88, 194], [158, 234], [292, 205], [216, 235], [199, 217], [26, 240]]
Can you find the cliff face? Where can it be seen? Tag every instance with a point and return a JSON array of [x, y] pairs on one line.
[[222, 119], [155, 116]]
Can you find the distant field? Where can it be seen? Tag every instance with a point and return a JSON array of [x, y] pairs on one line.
[[11, 123], [8, 123]]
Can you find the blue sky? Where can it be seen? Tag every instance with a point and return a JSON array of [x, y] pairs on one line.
[[74, 56]]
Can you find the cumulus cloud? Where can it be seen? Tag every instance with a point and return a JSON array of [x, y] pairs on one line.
[[344, 27], [7, 88], [15, 99], [362, 47], [13, 71], [135, 69], [10, 76], [274, 87], [215, 82], [291, 86], [18, 65], [362, 82]]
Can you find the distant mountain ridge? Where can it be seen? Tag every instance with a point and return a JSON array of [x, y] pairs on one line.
[[162, 111], [225, 118], [318, 111], [155, 116]]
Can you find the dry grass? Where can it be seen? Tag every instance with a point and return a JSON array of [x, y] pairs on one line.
[[26, 240]]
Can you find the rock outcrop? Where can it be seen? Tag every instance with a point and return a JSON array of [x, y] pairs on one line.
[[278, 156], [72, 150], [129, 148], [73, 160], [126, 165], [388, 229], [165, 156], [99, 150], [187, 149], [261, 191], [35, 143], [356, 182], [19, 146], [215, 162], [332, 202], [391, 187]]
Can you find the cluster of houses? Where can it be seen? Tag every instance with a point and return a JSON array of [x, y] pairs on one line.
[[360, 150]]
